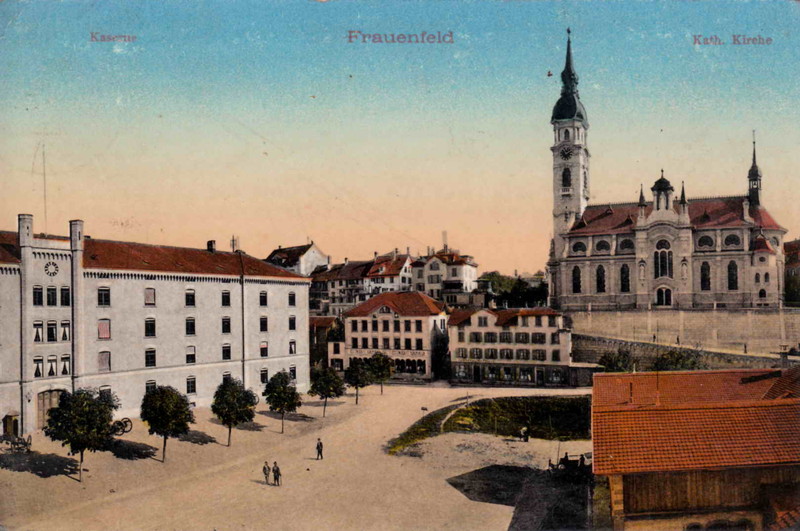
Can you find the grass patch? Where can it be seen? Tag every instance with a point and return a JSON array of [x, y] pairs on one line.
[[428, 426], [546, 417]]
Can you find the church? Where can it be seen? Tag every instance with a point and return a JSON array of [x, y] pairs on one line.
[[663, 250]]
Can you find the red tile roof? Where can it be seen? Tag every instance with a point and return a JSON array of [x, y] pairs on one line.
[[9, 251], [692, 420], [692, 437], [388, 265], [404, 303], [321, 321], [107, 254], [505, 317], [449, 258], [717, 212], [349, 271], [287, 256], [784, 503]]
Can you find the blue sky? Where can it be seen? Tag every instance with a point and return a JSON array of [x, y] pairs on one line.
[[249, 107]]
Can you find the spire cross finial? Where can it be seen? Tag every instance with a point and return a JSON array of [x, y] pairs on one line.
[[662, 173], [568, 31]]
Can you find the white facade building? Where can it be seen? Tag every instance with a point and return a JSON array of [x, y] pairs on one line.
[[445, 271], [78, 312], [407, 326], [300, 259]]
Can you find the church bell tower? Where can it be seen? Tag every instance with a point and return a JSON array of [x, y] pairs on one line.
[[570, 155]]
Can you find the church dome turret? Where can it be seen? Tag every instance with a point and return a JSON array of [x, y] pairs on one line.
[[569, 106], [662, 184]]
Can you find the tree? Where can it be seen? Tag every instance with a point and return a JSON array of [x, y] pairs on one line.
[[619, 361], [281, 395], [326, 383], [679, 360], [358, 375], [380, 365], [233, 404], [167, 414], [82, 421]]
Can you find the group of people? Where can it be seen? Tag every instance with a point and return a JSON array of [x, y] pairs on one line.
[[276, 470]]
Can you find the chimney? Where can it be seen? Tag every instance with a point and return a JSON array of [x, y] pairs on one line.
[[279, 247], [394, 254], [345, 260], [211, 246], [408, 251], [374, 254]]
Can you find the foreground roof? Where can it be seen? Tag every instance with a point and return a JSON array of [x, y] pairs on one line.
[[130, 256], [403, 303], [695, 420], [288, 256], [708, 213]]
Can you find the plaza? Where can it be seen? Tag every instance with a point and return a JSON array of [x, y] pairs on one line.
[[206, 485]]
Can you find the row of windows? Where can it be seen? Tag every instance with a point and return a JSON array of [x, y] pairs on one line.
[[53, 368], [507, 354], [190, 300], [104, 327], [365, 326], [663, 267], [705, 242], [52, 296], [191, 381], [366, 343], [52, 334], [400, 366], [552, 321], [150, 356], [509, 337], [508, 373]]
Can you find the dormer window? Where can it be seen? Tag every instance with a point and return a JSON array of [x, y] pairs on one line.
[[732, 240], [603, 246], [579, 247], [705, 241]]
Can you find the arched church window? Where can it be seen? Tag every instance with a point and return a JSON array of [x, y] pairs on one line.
[[576, 279], [566, 178], [566, 134], [603, 245], [766, 277], [732, 240], [579, 247], [705, 241], [626, 245], [705, 277], [662, 260], [758, 278], [600, 279], [733, 276], [664, 297], [625, 279], [762, 294]]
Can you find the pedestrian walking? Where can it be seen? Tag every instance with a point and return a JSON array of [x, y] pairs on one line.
[[319, 449], [265, 470], [276, 474]]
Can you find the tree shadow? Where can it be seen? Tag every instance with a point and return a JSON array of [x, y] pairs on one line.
[[321, 403], [290, 417], [197, 437], [132, 450], [39, 464], [245, 426]]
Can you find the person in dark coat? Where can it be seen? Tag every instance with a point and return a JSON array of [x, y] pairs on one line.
[[265, 470], [319, 449], [276, 474]]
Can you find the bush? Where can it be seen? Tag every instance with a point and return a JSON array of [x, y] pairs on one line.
[[428, 426], [560, 418]]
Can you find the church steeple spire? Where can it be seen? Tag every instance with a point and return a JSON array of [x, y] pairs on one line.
[[569, 106], [569, 78], [754, 179]]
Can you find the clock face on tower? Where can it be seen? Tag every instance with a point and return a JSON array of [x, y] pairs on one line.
[[51, 269], [566, 153]]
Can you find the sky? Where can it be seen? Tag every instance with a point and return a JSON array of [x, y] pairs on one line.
[[261, 119]]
